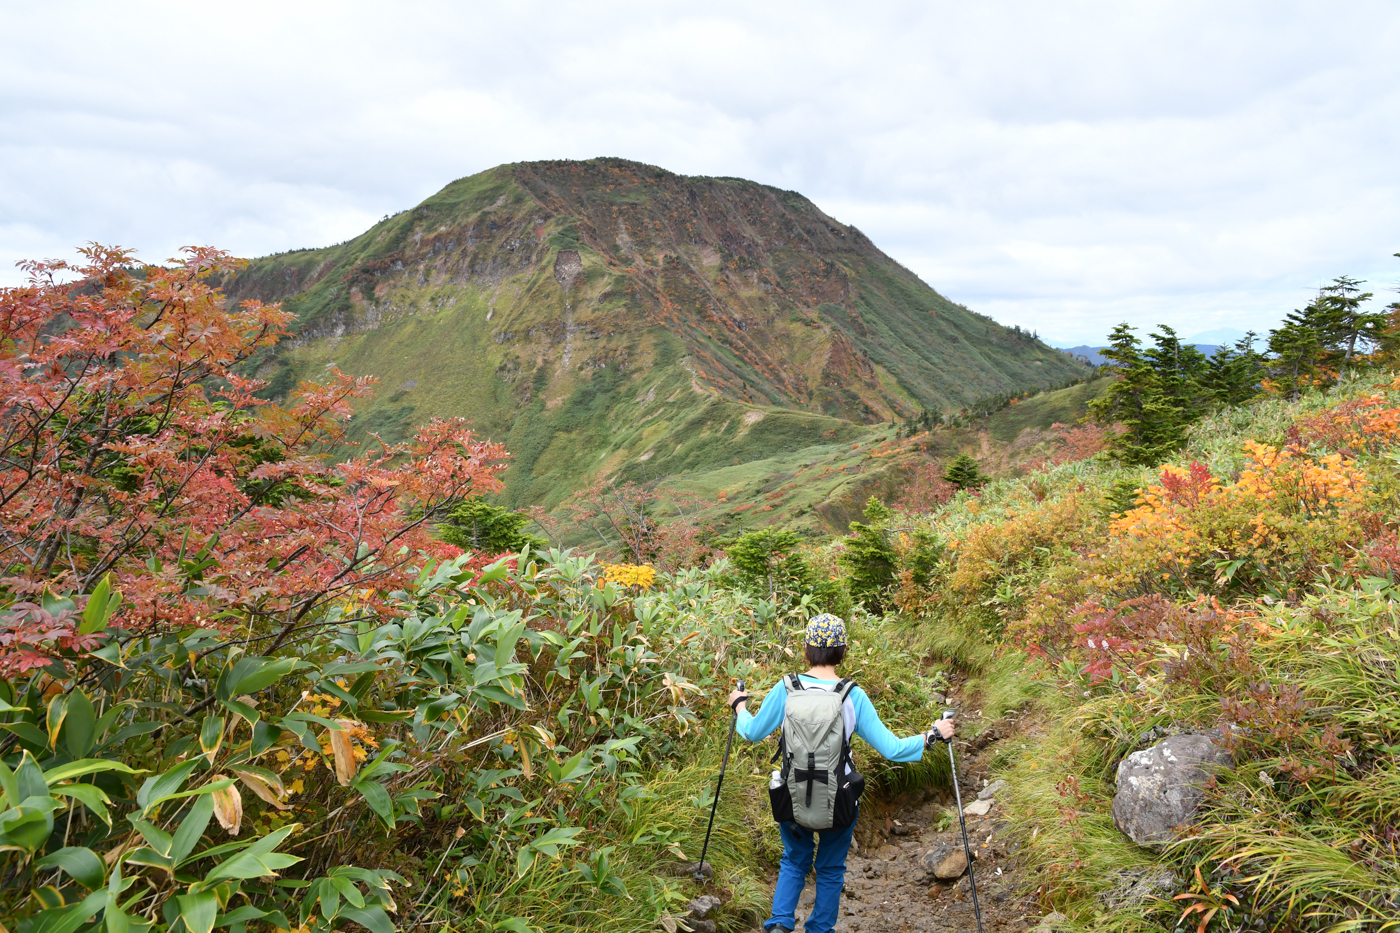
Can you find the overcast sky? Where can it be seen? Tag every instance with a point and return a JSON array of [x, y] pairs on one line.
[[1061, 166]]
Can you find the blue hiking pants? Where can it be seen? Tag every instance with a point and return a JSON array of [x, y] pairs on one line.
[[799, 845]]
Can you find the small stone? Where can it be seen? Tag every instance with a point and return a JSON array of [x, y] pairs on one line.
[[978, 808], [688, 868], [1050, 923], [952, 866], [700, 907], [991, 790]]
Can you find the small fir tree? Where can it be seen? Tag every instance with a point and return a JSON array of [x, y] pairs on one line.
[[477, 525], [869, 558], [964, 473]]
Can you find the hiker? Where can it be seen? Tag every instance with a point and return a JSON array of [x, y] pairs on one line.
[[815, 794]]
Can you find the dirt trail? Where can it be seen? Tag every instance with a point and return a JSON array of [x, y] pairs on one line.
[[890, 882]]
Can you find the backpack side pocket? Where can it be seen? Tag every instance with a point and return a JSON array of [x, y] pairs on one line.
[[847, 800], [780, 799]]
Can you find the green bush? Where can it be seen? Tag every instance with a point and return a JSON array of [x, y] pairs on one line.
[[870, 559]]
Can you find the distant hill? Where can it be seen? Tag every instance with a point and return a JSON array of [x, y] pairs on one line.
[[608, 317], [1086, 352]]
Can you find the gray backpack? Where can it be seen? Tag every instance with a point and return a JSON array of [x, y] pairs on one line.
[[819, 787]]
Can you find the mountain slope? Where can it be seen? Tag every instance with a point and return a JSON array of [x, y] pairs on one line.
[[608, 316]]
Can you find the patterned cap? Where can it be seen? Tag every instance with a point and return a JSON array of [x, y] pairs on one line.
[[826, 631]]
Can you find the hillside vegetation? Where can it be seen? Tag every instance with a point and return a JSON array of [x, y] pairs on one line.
[[607, 318], [1246, 588]]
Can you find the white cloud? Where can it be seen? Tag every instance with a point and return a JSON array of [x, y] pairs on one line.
[[1061, 167]]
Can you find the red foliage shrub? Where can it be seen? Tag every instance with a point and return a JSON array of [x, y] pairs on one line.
[[925, 489], [132, 444], [1206, 645], [1075, 442]]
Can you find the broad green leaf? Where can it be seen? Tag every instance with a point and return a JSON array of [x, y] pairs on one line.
[[5, 707], [505, 646], [49, 897], [524, 860], [199, 910], [131, 730], [256, 860], [81, 864], [328, 897], [241, 915], [347, 890], [57, 712], [30, 779], [385, 715], [265, 675], [148, 856], [264, 735], [80, 725], [162, 785], [198, 791], [515, 925], [371, 918], [191, 828], [101, 605], [378, 799], [68, 919], [9, 786], [247, 711], [117, 920], [29, 735], [156, 837], [550, 842], [496, 571], [90, 796], [76, 769], [211, 736]]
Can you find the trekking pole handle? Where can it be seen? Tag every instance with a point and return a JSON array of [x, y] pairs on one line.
[[947, 714]]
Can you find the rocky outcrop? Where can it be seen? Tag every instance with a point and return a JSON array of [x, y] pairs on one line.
[[1159, 788]]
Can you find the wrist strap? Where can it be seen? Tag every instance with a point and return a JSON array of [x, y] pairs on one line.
[[737, 700]]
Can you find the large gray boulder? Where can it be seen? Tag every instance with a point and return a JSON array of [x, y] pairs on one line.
[[1159, 788]]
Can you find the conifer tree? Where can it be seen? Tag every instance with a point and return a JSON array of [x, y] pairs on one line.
[[869, 558], [1234, 374], [964, 473], [477, 525], [1154, 426]]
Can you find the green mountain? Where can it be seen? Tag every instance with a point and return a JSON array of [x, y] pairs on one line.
[[611, 317]]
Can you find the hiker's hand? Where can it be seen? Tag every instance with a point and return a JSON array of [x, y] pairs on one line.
[[944, 728], [737, 698]]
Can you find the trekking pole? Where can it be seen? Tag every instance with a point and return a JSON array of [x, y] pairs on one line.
[[967, 847], [714, 805]]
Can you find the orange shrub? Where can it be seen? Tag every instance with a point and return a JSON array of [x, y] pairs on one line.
[[1287, 516], [1000, 563]]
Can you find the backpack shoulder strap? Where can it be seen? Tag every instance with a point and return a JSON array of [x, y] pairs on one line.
[[843, 688], [794, 682]]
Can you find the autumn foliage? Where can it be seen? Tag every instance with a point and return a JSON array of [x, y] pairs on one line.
[[133, 443]]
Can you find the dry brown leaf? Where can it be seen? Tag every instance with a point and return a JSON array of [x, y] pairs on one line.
[[265, 791], [228, 807], [344, 751]]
